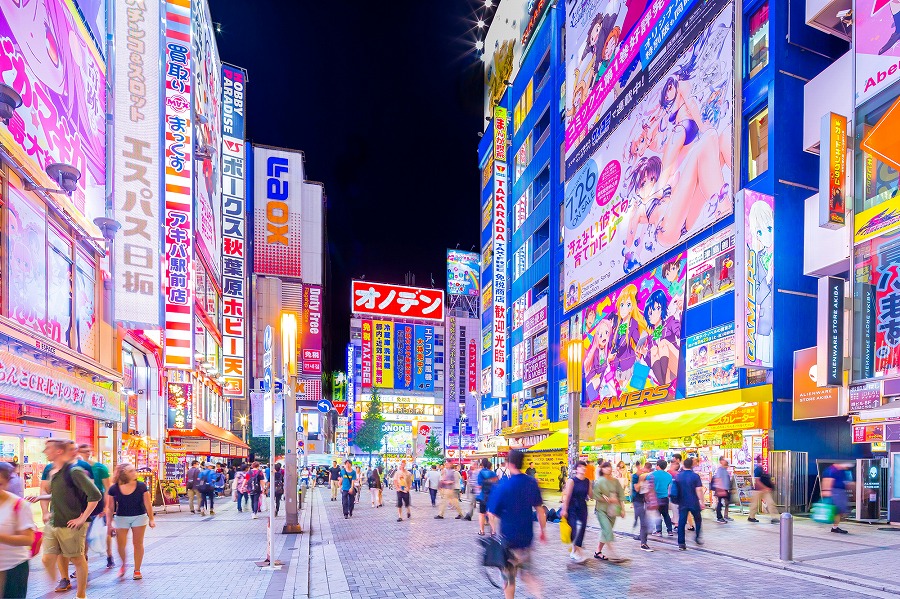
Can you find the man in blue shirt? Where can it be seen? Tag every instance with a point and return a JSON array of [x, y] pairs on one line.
[[511, 506], [835, 481], [487, 478], [348, 489], [661, 482], [690, 500]]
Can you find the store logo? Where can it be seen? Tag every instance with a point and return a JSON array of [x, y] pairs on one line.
[[177, 103]]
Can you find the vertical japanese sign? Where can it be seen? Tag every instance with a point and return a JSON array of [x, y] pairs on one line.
[[830, 332], [424, 376], [403, 358], [472, 365], [180, 400], [754, 292], [234, 228], [498, 386], [383, 354], [351, 371], [178, 187], [136, 258], [833, 171], [312, 329], [366, 355], [877, 274]]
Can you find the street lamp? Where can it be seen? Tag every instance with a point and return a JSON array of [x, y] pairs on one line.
[[243, 420], [289, 372], [574, 372]]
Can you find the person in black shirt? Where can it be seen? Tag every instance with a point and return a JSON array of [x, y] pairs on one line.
[[334, 474], [129, 501]]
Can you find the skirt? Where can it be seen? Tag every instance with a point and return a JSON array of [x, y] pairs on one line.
[[606, 526]]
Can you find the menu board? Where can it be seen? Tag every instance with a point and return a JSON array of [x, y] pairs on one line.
[[176, 465], [744, 483]]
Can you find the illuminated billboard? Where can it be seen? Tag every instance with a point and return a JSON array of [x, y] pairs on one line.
[[397, 301], [463, 270], [876, 25], [755, 289], [277, 187], [664, 173], [500, 235]]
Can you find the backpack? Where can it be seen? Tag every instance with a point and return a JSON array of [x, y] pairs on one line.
[[251, 482], [279, 482], [674, 492], [79, 494], [203, 484]]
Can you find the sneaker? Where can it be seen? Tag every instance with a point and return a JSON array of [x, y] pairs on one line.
[[212, 512], [839, 530], [699, 541], [729, 519], [202, 512], [646, 547], [408, 515], [438, 517], [254, 516], [63, 585], [656, 533], [775, 521], [671, 533], [346, 516], [752, 520], [682, 547], [469, 518], [721, 521], [458, 517], [109, 561], [193, 511], [137, 575], [399, 519]]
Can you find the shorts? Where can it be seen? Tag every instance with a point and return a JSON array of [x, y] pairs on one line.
[[402, 498], [519, 559], [131, 521], [67, 542], [482, 506]]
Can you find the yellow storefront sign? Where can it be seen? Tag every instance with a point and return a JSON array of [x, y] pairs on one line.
[[877, 220]]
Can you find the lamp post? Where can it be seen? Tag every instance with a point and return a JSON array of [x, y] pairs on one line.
[[574, 372], [243, 421], [289, 371]]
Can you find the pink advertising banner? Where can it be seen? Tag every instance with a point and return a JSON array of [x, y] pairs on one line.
[[311, 338], [48, 57], [632, 340], [877, 28], [754, 290]]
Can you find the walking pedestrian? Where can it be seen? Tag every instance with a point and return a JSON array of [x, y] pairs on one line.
[[610, 505], [358, 484], [207, 489], [304, 477], [512, 507], [643, 497], [219, 481], [662, 480], [432, 483], [688, 489], [562, 476], [128, 507], [334, 474], [471, 489], [253, 486], [193, 484], [762, 492], [17, 530], [278, 482], [721, 483], [100, 475], [239, 495], [835, 481], [16, 484], [375, 487], [575, 509], [402, 484], [448, 486], [487, 478], [348, 488], [673, 469], [73, 497]]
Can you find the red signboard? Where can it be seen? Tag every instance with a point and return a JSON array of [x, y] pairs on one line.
[[340, 406], [382, 299], [366, 359], [473, 366]]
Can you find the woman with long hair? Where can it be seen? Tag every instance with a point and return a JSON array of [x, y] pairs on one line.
[[128, 507], [610, 505], [629, 327], [575, 498]]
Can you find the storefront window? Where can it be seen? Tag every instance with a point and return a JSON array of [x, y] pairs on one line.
[[758, 40], [758, 144], [85, 309], [875, 181], [59, 286], [876, 303], [27, 245]]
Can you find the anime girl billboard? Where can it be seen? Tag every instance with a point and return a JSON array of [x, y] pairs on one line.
[[661, 177], [48, 57], [754, 291], [632, 339]]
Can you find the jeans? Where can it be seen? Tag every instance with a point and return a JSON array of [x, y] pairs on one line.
[[578, 522], [254, 502], [720, 503], [643, 515], [683, 512], [241, 497], [278, 497], [664, 512], [15, 584], [207, 497], [347, 502], [433, 493]]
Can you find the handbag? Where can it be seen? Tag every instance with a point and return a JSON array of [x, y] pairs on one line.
[[38, 535], [823, 512], [496, 552], [565, 531]]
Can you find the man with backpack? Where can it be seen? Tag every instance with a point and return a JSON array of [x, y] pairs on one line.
[[206, 484], [193, 484], [762, 493], [687, 492], [253, 486], [72, 499]]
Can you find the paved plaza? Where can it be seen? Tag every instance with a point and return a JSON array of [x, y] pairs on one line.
[[372, 555]]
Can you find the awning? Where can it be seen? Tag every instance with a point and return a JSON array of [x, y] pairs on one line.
[[555, 442], [677, 418], [202, 428]]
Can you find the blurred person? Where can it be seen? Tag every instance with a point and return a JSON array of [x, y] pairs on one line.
[[689, 491], [402, 483], [17, 532], [240, 496], [101, 477], [662, 480], [304, 476], [206, 486], [487, 478], [762, 492], [432, 483], [358, 483], [531, 471], [835, 482], [563, 476], [219, 483], [16, 483], [334, 474], [721, 484], [512, 507], [348, 489], [471, 489], [193, 485], [610, 504], [576, 494], [278, 487], [375, 487], [128, 507], [254, 482], [673, 469], [643, 495], [449, 485]]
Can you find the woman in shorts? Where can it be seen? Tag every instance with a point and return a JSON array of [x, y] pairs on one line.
[[129, 501]]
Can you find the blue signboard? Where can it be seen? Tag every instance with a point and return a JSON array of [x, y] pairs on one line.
[[424, 358], [404, 338]]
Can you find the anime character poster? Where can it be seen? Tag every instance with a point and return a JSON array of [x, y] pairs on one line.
[[709, 361], [632, 340], [27, 247], [208, 133], [48, 57], [877, 27], [710, 266], [661, 177], [754, 293], [877, 278]]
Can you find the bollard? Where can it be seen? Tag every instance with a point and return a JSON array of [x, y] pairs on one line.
[[786, 552]]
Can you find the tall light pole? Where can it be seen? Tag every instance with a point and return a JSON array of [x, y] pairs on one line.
[[574, 375], [289, 372], [243, 420]]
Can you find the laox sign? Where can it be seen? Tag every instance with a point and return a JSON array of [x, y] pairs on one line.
[[277, 209]]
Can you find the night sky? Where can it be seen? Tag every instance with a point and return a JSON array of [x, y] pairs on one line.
[[385, 100]]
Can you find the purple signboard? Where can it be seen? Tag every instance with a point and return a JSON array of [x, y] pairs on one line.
[[865, 396], [535, 370], [535, 318]]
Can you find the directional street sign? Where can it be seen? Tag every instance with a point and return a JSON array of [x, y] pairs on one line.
[[324, 406]]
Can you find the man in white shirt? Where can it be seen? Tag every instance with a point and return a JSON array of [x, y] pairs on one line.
[[449, 487], [432, 483]]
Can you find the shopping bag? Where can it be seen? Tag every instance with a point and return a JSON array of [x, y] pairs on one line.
[[565, 531], [823, 512], [96, 536]]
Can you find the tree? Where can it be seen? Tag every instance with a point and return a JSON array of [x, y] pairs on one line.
[[371, 434], [433, 451], [259, 447]]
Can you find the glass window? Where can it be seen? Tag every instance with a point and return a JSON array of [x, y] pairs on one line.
[[523, 106], [59, 287], [85, 306], [758, 144], [875, 181], [758, 40]]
